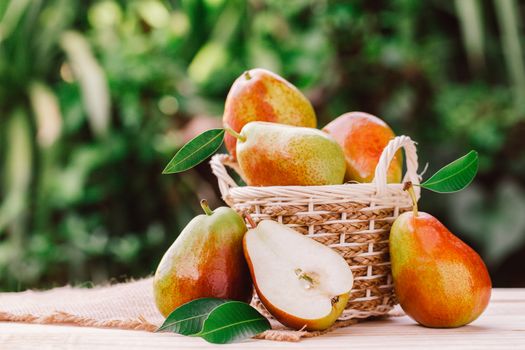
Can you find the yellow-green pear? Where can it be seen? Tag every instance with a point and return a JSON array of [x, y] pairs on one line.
[[271, 154]]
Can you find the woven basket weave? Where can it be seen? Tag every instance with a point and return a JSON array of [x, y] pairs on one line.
[[353, 219]]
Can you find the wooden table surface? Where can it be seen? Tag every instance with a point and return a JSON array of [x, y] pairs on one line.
[[502, 326]]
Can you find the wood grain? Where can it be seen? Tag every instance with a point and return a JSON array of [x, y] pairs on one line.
[[502, 326]]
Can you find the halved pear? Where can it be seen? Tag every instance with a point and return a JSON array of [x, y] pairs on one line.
[[303, 283]]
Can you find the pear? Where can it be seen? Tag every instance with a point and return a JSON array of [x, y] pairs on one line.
[[301, 282], [259, 94], [363, 138], [438, 279], [271, 154], [206, 260]]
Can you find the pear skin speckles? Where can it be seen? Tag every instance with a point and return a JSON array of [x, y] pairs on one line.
[[260, 95], [206, 260], [439, 280], [363, 138], [282, 155]]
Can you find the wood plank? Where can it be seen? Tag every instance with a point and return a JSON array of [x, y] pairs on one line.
[[501, 326]]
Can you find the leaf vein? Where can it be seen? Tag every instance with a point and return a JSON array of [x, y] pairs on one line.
[[426, 183], [198, 149], [231, 325], [182, 320]]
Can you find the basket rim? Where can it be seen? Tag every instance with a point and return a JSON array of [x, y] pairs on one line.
[[377, 190], [364, 185], [339, 191]]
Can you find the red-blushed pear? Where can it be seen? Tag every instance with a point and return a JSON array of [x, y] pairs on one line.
[[439, 280], [363, 137], [259, 94], [271, 154], [301, 282], [206, 260]]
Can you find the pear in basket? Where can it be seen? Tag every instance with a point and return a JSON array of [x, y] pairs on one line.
[[363, 138], [271, 154], [261, 95], [439, 280], [301, 282], [206, 260]]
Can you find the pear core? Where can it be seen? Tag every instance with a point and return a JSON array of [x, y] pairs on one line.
[[298, 275]]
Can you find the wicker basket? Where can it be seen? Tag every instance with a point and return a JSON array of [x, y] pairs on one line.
[[353, 219]]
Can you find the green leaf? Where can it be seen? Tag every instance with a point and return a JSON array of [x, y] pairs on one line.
[[195, 151], [233, 321], [454, 176], [188, 319]]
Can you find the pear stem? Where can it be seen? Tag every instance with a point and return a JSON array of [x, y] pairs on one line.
[[250, 220], [235, 134], [410, 189], [206, 207]]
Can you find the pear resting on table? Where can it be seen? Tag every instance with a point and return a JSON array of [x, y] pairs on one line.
[[206, 260], [439, 280]]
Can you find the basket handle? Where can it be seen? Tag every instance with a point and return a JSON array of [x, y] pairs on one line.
[[218, 168], [386, 158]]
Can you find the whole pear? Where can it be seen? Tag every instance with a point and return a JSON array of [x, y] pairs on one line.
[[271, 154], [206, 260], [259, 94], [438, 279], [363, 137]]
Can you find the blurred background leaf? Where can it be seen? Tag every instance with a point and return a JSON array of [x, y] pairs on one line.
[[97, 96]]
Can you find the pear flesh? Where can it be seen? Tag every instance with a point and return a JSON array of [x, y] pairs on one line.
[[303, 283]]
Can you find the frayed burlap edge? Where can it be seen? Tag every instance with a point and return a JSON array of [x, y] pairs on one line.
[[64, 318], [145, 318]]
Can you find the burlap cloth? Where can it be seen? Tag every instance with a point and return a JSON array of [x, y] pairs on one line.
[[126, 306]]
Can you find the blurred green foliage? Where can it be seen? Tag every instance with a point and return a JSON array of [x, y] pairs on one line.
[[96, 96]]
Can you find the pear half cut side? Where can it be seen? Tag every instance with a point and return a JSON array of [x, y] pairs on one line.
[[302, 283]]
